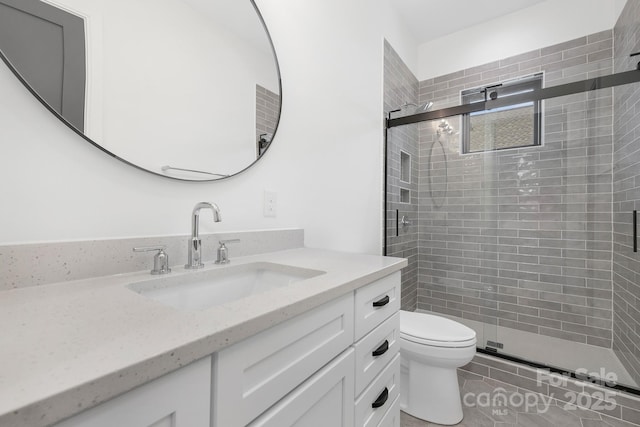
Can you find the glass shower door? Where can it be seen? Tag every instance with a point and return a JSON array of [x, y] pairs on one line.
[[531, 244]]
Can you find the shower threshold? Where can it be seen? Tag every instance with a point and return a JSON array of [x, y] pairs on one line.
[[549, 352]]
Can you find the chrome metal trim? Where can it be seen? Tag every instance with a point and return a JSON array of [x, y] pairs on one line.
[[167, 167]]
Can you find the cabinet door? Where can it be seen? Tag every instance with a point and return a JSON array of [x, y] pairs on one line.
[[325, 399], [254, 374], [178, 399]]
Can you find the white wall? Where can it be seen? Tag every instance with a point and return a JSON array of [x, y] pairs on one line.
[[541, 25], [325, 163], [398, 35], [331, 58]]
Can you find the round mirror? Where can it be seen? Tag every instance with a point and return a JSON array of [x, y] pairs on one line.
[[186, 89]]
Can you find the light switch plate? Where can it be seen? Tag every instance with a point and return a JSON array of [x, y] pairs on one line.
[[270, 203]]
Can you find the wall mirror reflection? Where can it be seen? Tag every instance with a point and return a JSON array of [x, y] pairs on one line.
[[188, 89]]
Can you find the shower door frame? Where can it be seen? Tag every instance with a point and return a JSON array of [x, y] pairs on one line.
[[583, 86], [604, 82]]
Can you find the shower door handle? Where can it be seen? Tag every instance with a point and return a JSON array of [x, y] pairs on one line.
[[635, 231]]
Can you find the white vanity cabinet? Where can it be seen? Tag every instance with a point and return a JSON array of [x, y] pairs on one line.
[[336, 365], [178, 399]]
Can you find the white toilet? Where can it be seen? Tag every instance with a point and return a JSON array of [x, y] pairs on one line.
[[431, 348]]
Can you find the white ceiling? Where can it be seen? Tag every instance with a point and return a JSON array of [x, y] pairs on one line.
[[430, 19]]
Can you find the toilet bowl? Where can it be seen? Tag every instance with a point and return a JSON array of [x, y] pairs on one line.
[[431, 348]]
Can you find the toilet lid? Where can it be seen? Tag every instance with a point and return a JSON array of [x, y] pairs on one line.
[[433, 330]]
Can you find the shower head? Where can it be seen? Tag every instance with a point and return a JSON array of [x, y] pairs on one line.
[[424, 107], [419, 108]]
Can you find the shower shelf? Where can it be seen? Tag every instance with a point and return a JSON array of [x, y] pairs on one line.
[[405, 167], [405, 195]]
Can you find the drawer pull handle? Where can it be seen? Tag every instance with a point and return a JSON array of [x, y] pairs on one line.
[[381, 302], [382, 399], [381, 350]]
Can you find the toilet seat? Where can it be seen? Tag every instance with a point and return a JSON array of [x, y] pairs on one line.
[[436, 331]]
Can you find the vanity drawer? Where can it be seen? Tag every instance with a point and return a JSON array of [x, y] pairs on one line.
[[375, 350], [392, 417], [325, 399], [387, 383], [252, 375], [375, 303]]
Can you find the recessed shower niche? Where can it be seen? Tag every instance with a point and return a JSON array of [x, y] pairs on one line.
[[405, 176], [405, 167]]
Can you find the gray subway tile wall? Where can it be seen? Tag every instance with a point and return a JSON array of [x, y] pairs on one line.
[[400, 87], [626, 195], [522, 237], [267, 111]]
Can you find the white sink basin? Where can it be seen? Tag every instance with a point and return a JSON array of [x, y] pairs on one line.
[[204, 289]]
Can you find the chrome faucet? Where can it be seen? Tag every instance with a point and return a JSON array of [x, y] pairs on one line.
[[195, 244]]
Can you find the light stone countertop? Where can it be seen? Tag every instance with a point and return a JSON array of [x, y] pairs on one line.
[[70, 346]]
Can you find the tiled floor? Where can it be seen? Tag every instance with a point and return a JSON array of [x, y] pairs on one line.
[[516, 412]]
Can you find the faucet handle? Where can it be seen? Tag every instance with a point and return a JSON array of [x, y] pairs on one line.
[[160, 260], [223, 252]]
